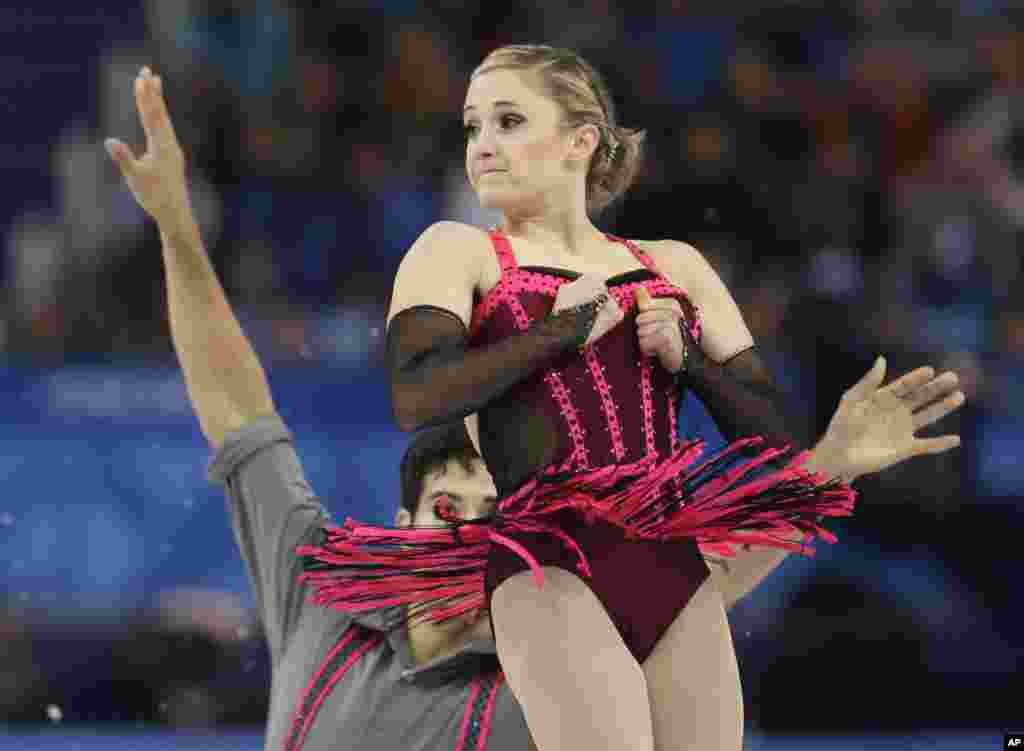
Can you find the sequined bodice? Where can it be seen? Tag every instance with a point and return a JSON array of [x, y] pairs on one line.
[[605, 405]]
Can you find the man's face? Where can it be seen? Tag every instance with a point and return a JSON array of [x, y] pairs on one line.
[[471, 493]]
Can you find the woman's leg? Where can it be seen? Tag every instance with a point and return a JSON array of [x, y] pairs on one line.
[[693, 680], [578, 684]]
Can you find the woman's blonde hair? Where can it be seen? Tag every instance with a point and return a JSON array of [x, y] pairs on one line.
[[582, 94]]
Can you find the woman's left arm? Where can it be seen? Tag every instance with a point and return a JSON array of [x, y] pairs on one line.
[[727, 373], [725, 369], [872, 428]]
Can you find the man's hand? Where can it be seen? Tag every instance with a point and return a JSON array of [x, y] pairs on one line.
[[872, 429], [874, 426], [224, 378], [157, 178]]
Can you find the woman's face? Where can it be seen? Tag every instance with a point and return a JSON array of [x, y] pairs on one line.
[[516, 147]]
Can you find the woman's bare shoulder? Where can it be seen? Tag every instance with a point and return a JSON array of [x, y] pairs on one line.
[[444, 246], [725, 331], [442, 268], [448, 236], [680, 262]]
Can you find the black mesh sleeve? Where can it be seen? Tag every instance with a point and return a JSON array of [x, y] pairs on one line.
[[743, 398], [435, 379]]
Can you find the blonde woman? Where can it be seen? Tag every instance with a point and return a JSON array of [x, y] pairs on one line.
[[569, 347]]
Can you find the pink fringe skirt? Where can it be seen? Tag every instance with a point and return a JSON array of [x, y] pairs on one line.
[[742, 495]]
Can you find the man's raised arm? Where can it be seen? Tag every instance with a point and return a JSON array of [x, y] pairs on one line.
[[225, 381]]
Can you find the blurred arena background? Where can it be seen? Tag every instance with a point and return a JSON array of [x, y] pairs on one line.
[[854, 170]]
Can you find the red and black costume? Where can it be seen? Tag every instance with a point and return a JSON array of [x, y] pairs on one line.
[[584, 451]]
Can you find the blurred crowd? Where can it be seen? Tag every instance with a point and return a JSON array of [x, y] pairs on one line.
[[865, 154], [854, 171], [196, 660]]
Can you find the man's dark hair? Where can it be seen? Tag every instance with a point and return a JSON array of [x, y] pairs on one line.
[[429, 450]]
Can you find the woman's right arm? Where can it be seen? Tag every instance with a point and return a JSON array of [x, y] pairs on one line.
[[434, 378]]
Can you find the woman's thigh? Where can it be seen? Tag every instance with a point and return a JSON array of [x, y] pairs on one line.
[[693, 680], [568, 666]]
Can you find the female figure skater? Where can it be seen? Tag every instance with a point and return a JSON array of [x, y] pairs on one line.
[[571, 346], [872, 428]]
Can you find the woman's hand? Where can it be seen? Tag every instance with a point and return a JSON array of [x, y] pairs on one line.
[[658, 329], [873, 427], [157, 178], [584, 290]]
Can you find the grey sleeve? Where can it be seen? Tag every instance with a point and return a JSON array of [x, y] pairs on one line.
[[273, 511]]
